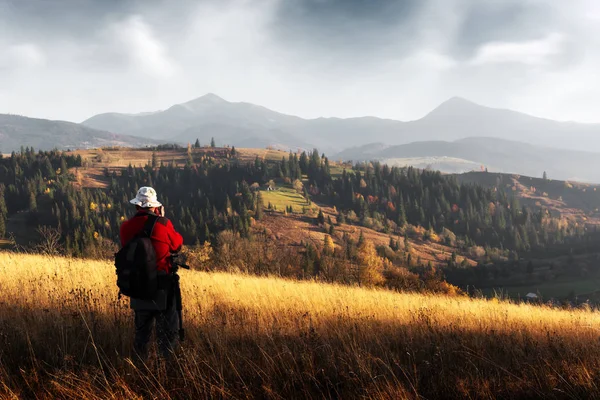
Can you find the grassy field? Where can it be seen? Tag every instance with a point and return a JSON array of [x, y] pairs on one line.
[[64, 334], [284, 197]]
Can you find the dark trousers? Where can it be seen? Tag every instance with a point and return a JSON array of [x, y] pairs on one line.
[[167, 328]]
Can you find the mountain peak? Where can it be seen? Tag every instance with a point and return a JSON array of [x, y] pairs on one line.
[[458, 102], [455, 106], [209, 98]]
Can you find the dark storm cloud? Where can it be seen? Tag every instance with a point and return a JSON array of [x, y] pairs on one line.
[[492, 21], [75, 19], [391, 58], [358, 26], [345, 24]]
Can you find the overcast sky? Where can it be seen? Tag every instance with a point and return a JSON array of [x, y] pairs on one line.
[[71, 59]]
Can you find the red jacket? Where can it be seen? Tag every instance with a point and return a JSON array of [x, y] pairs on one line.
[[164, 237]]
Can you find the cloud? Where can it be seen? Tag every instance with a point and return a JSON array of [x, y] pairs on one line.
[[389, 58], [135, 39], [22, 56], [532, 52]]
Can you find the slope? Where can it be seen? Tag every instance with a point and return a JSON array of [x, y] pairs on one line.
[[43, 134], [250, 337]]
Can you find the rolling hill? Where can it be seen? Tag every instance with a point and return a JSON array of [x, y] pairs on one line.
[[43, 134], [249, 125], [494, 154]]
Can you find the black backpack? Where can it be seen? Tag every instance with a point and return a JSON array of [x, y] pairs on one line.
[[137, 276]]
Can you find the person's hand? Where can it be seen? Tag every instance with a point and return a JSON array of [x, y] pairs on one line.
[[161, 211]]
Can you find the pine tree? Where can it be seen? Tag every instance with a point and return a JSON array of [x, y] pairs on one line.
[[259, 207], [320, 217], [32, 202], [197, 144], [212, 142], [341, 219]]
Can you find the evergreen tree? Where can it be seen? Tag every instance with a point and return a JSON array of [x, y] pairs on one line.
[[341, 218], [197, 143], [32, 202], [320, 217], [259, 207], [212, 142]]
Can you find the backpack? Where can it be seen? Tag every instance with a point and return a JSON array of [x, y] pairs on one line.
[[137, 276]]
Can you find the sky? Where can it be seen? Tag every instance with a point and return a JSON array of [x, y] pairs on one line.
[[399, 59]]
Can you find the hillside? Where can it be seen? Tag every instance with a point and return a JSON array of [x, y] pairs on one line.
[[249, 125], [301, 216], [573, 200], [497, 155], [289, 229], [250, 337], [42, 134]]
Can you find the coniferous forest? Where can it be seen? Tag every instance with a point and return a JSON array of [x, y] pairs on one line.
[[213, 201]]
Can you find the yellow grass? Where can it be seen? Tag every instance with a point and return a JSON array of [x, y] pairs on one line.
[[64, 334], [284, 197]]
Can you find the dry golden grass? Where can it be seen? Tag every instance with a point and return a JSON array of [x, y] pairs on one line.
[[63, 334]]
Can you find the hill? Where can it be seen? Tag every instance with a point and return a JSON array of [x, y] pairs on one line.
[[42, 134], [572, 200], [249, 125], [496, 155], [250, 337]]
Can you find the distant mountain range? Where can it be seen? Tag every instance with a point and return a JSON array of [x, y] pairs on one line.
[[245, 124], [457, 136], [43, 134], [497, 155]]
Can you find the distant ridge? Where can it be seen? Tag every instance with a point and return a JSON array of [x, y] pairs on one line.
[[43, 134], [233, 123], [495, 154]]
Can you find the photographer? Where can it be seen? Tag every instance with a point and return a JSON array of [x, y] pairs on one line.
[[165, 306]]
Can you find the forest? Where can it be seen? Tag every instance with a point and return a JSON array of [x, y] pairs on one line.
[[216, 203]]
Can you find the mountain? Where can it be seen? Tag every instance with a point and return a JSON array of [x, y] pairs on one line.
[[458, 118], [245, 124], [494, 154], [240, 124], [43, 134]]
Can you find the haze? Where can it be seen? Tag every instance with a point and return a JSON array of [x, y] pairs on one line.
[[71, 59]]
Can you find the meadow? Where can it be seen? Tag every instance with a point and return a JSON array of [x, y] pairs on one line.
[[65, 334], [283, 197]]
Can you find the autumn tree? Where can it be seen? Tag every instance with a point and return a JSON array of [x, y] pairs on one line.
[[370, 265], [328, 245]]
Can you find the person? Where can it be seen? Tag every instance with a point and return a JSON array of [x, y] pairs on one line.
[[161, 311]]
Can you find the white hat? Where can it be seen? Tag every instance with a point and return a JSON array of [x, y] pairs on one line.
[[146, 198]]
